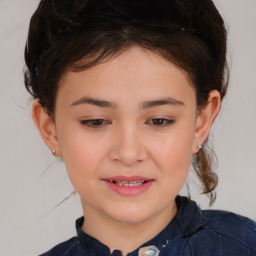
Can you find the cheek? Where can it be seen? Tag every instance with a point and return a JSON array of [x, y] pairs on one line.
[[173, 155], [82, 156], [174, 163]]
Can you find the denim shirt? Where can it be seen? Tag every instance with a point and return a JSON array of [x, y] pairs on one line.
[[192, 232]]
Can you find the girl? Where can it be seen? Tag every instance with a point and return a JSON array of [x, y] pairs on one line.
[[126, 93]]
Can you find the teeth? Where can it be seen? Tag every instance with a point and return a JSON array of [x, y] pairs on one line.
[[129, 183]]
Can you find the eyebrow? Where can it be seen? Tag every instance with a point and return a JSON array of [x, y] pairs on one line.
[[93, 101], [159, 102], [144, 105]]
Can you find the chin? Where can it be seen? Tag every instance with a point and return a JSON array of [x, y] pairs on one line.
[[129, 219], [131, 215]]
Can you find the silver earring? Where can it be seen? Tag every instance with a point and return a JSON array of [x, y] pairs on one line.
[[200, 147], [54, 152]]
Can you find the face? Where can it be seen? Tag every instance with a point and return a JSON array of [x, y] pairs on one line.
[[126, 131]]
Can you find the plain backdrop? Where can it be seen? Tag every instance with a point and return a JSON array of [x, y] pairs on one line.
[[33, 182]]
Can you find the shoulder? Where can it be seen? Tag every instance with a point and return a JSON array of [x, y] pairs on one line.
[[70, 247], [226, 232], [231, 225]]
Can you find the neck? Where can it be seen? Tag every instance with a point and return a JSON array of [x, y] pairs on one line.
[[121, 232]]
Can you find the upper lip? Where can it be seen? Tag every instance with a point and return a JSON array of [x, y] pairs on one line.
[[127, 178]]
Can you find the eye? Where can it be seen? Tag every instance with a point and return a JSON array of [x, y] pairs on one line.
[[161, 122], [95, 123]]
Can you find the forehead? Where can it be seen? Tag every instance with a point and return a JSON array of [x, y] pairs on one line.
[[136, 73]]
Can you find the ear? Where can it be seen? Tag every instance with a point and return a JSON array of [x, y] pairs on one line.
[[205, 119], [46, 127]]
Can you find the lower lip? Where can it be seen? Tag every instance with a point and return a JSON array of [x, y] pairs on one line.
[[129, 191]]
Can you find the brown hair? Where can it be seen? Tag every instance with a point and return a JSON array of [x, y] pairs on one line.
[[78, 34]]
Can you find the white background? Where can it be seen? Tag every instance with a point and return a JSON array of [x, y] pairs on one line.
[[32, 182]]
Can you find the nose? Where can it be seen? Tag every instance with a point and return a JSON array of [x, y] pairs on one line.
[[128, 147]]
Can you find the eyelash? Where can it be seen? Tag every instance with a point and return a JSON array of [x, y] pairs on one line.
[[164, 120], [102, 122], [89, 123]]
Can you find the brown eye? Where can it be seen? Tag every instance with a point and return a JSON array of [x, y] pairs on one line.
[[161, 122], [158, 121], [95, 123]]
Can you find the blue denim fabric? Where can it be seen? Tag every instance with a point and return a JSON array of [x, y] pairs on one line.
[[191, 233]]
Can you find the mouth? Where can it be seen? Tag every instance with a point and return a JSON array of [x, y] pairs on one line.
[[128, 183], [129, 186]]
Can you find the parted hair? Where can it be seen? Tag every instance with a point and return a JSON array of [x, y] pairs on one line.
[[79, 34]]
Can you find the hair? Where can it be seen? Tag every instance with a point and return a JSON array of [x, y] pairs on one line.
[[78, 34]]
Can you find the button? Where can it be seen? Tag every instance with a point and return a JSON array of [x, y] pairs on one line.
[[148, 251]]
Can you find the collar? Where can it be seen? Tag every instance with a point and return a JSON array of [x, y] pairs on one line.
[[188, 220]]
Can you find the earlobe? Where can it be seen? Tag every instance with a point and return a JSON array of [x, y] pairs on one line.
[[205, 119], [46, 127]]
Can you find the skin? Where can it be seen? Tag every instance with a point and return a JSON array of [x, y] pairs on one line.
[[132, 138]]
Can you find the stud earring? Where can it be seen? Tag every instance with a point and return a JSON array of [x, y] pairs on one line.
[[200, 147], [54, 152]]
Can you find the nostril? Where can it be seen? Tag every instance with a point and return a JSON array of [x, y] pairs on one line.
[[128, 149]]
